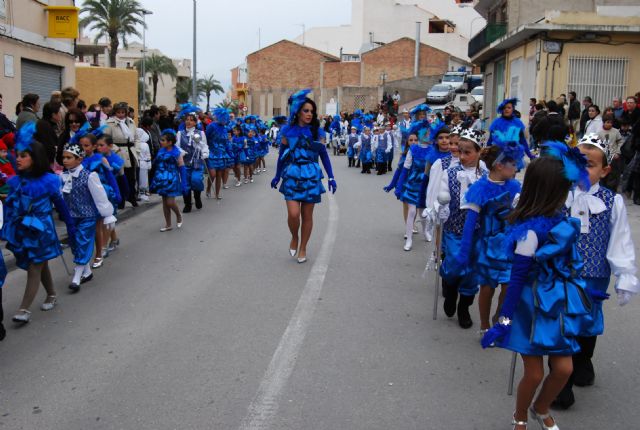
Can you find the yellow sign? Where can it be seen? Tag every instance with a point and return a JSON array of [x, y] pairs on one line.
[[63, 22]]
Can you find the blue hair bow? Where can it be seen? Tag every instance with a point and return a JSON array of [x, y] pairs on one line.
[[421, 129], [420, 108], [575, 163], [24, 137], [514, 101]]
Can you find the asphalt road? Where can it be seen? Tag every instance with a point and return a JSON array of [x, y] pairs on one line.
[[214, 326]]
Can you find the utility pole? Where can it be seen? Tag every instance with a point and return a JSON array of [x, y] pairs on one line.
[[194, 80], [144, 56]]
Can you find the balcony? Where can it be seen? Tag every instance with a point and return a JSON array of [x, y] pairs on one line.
[[487, 35]]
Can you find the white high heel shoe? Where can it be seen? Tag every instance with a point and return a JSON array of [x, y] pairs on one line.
[[515, 422], [408, 244], [541, 417]]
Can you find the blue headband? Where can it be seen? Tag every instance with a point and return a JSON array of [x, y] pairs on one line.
[[513, 101]]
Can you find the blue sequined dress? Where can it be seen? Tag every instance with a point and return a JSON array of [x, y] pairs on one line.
[[553, 305], [166, 178], [28, 227], [217, 141], [302, 175], [412, 185], [492, 262]]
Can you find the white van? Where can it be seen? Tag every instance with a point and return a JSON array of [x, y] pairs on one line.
[[457, 80]]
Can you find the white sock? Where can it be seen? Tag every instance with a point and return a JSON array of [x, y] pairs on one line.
[[77, 274], [410, 220], [87, 270]]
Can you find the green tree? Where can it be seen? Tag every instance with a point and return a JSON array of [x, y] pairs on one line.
[[232, 105], [183, 90], [157, 65], [210, 85], [115, 19]]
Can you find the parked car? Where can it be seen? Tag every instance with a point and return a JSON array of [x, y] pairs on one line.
[[466, 101], [457, 80], [474, 81], [440, 93], [478, 94]]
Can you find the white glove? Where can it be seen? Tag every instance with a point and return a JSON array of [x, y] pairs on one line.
[[444, 213], [110, 222], [623, 297]]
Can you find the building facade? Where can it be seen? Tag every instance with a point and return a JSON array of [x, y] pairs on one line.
[[545, 48], [32, 62], [275, 72], [444, 25]]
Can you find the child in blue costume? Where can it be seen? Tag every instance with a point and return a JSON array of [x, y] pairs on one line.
[[218, 160], [193, 144], [169, 178], [546, 303], [94, 161], [298, 167], [248, 156], [383, 146], [237, 146], [606, 247], [508, 127], [106, 147], [262, 149], [454, 185], [412, 177], [3, 276], [412, 139], [87, 201], [29, 229], [334, 129], [352, 140], [488, 202], [364, 145]]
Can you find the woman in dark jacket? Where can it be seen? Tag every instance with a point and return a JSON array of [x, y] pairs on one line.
[[73, 121], [47, 129]]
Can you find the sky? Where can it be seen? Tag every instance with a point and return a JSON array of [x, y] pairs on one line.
[[228, 30]]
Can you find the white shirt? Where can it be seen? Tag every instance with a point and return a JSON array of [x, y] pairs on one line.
[[202, 145]]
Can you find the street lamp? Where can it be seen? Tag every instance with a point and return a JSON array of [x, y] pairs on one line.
[[144, 56], [194, 93]]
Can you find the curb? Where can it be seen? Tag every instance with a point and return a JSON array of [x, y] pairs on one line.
[[123, 215]]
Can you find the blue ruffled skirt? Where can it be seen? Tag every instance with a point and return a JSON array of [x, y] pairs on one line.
[[166, 183], [302, 183]]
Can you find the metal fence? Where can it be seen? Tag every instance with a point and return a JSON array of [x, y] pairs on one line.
[[601, 78]]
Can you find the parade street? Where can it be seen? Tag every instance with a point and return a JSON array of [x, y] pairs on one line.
[[215, 326]]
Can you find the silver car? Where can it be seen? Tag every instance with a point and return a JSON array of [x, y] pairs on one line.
[[440, 93]]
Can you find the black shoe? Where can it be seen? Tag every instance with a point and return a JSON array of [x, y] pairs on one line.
[[3, 332], [198, 202], [186, 209], [450, 301], [134, 203], [565, 399], [74, 287], [636, 201], [84, 279], [464, 318], [584, 376]]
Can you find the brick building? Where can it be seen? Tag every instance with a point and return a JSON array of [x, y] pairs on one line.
[[275, 72]]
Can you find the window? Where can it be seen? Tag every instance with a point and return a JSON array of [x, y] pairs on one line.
[[3, 8], [359, 102], [602, 78], [276, 111]]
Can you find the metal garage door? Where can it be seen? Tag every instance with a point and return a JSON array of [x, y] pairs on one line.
[[41, 79]]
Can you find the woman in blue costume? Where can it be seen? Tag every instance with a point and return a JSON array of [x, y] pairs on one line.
[[454, 184], [298, 167], [29, 229], [169, 178], [546, 302], [364, 145], [488, 202], [94, 161], [218, 156], [412, 139], [508, 127], [412, 176]]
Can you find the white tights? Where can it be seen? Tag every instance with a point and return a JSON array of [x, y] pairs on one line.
[[411, 218]]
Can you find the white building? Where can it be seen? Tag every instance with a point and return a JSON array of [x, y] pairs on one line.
[[127, 57], [444, 25]]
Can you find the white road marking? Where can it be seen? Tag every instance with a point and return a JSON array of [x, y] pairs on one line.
[[265, 405]]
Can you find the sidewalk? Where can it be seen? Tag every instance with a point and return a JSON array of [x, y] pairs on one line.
[[61, 229]]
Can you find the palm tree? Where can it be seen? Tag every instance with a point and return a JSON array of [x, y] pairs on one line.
[[232, 105], [116, 19], [157, 65], [183, 90], [210, 85]]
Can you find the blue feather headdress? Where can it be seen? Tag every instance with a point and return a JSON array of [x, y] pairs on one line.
[[222, 115], [24, 137], [436, 128], [169, 131], [420, 108], [188, 109], [296, 101], [514, 101], [421, 129], [575, 163], [99, 131], [510, 148], [357, 113]]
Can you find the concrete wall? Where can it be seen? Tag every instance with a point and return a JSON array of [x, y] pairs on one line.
[[25, 37], [412, 88], [341, 74], [120, 85], [349, 95]]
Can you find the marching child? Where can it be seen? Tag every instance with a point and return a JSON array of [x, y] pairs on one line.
[[546, 303], [364, 145], [606, 247], [383, 146], [28, 222], [412, 139], [249, 154], [107, 148], [169, 178], [193, 143], [487, 203], [144, 164], [87, 202], [237, 143], [352, 141], [455, 183]]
